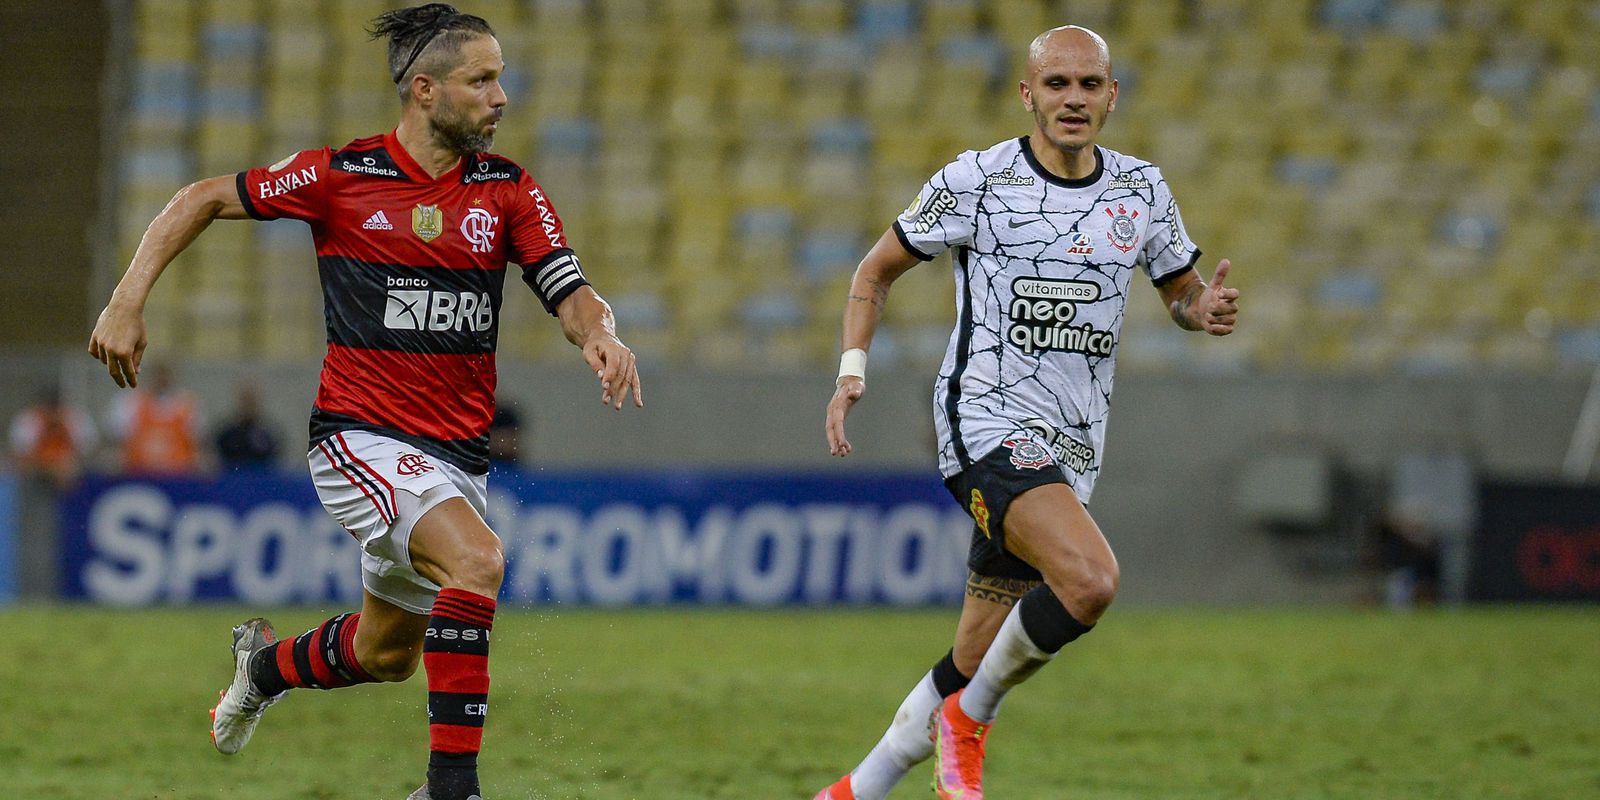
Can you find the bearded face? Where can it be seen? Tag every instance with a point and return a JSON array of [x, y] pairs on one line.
[[459, 130]]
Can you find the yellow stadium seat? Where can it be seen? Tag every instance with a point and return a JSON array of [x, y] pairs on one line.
[[689, 17], [943, 18], [819, 16], [1155, 18]]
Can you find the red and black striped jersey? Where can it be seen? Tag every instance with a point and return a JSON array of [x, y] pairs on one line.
[[412, 269]]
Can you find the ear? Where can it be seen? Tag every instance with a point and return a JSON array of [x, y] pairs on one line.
[[422, 88], [1112, 106], [1027, 95]]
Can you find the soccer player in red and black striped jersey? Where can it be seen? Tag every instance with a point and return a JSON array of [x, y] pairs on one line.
[[413, 229]]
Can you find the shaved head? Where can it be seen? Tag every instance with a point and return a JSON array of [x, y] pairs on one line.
[[1065, 37], [1070, 92]]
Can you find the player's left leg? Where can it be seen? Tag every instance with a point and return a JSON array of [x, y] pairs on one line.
[[380, 642], [453, 547], [1049, 529]]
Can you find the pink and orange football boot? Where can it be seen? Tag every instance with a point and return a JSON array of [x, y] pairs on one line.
[[838, 791], [957, 752]]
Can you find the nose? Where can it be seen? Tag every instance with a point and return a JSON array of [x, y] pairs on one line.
[[497, 98]]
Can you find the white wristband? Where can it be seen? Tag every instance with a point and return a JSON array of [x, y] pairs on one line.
[[853, 363]]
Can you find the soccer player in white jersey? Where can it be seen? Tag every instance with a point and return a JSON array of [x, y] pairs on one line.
[[1045, 232]]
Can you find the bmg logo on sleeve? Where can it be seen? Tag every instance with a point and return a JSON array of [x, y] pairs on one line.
[[425, 310]]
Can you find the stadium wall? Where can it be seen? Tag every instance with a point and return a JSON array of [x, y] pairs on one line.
[[603, 538], [1189, 456]]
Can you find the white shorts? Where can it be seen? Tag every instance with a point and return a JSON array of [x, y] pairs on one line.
[[377, 488]]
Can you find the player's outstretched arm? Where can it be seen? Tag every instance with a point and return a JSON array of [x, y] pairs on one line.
[[1197, 305], [869, 292], [587, 321], [118, 340]]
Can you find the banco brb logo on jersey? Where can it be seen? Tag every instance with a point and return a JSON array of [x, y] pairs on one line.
[[478, 227], [426, 310], [1042, 310]]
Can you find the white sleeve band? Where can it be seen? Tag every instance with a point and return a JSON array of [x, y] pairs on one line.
[[853, 362]]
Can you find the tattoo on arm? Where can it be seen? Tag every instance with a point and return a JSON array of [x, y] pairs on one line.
[[1005, 591], [1180, 307], [880, 295]]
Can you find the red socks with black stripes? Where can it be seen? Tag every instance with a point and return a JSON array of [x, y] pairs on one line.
[[456, 656], [455, 653], [321, 658]]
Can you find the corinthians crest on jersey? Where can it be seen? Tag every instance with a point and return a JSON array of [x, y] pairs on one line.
[[1044, 266]]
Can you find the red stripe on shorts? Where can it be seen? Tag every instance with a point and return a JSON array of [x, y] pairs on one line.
[[393, 508], [328, 454]]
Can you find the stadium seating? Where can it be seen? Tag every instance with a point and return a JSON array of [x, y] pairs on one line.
[[1402, 184]]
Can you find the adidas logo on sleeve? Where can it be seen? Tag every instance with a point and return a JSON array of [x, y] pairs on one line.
[[377, 222]]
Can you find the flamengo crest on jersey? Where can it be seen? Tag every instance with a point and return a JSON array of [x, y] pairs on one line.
[[1043, 266], [412, 270]]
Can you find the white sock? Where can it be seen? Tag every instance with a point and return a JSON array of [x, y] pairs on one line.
[[1012, 659], [902, 747]]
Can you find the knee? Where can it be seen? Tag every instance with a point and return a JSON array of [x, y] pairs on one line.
[[391, 664], [1089, 592], [480, 570], [1102, 589]]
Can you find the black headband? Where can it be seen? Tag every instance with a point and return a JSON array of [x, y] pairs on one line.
[[438, 25]]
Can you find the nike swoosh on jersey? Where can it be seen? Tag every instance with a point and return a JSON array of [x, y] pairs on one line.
[[1014, 224]]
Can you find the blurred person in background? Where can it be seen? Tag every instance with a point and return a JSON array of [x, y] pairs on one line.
[[245, 440], [52, 439], [157, 427], [1406, 550], [1046, 231], [51, 443], [414, 230], [506, 435]]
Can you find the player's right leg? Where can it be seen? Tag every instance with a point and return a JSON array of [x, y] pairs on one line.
[[359, 483], [379, 643]]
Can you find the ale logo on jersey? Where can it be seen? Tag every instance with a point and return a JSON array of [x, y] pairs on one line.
[[1078, 244], [427, 222], [478, 227]]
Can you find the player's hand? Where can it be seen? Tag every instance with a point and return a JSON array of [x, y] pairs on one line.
[[614, 365], [850, 390], [1218, 309], [118, 341]]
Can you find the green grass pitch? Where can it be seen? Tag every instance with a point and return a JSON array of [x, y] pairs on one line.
[[677, 704]]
